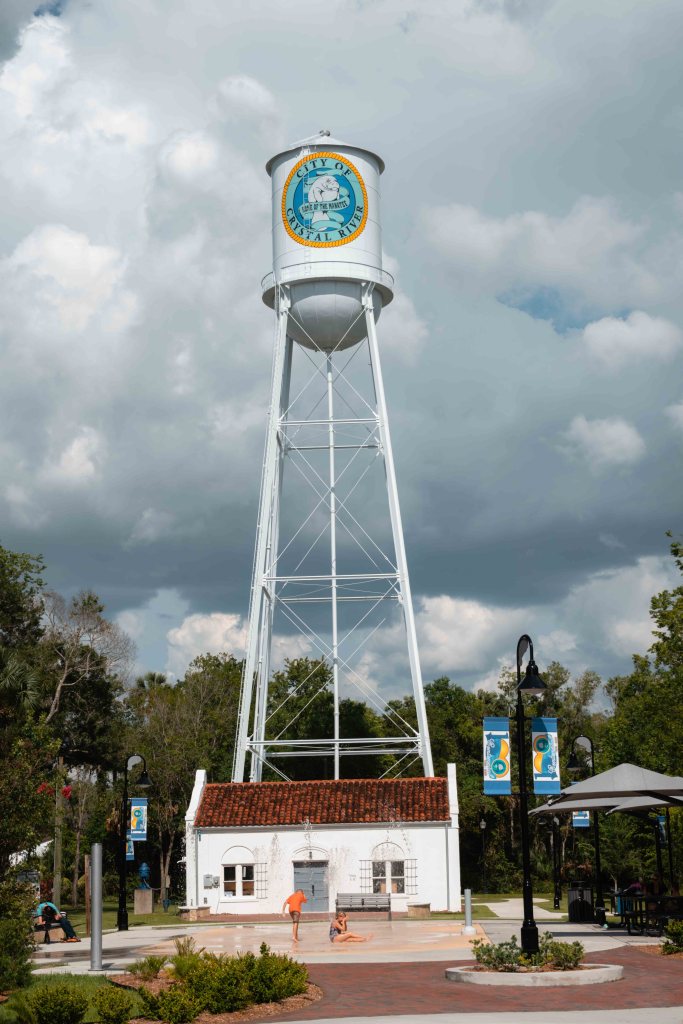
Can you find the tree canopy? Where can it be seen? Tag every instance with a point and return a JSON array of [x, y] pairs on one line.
[[70, 714]]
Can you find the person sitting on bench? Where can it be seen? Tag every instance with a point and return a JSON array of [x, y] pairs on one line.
[[47, 914]]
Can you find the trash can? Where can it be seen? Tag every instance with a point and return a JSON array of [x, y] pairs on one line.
[[580, 902]]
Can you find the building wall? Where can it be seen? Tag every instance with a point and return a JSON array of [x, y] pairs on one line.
[[430, 852]]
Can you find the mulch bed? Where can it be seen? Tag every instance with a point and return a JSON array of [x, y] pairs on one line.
[[289, 1005], [657, 951], [154, 985]]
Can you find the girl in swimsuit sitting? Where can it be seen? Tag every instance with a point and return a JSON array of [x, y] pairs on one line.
[[339, 930]]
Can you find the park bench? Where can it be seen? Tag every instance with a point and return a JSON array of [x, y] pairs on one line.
[[358, 901], [56, 932]]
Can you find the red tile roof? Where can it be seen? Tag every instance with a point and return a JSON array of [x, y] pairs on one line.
[[345, 801]]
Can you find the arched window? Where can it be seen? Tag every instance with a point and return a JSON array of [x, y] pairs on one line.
[[238, 872], [388, 869]]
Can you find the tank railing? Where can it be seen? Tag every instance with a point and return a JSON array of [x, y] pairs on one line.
[[361, 272]]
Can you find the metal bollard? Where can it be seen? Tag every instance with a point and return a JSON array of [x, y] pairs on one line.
[[96, 907], [469, 928]]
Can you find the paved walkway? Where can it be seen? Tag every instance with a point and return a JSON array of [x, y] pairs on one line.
[[672, 1015], [400, 972], [513, 909], [421, 989]]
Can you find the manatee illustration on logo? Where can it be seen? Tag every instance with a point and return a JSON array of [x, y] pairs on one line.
[[544, 756], [498, 757], [324, 201]]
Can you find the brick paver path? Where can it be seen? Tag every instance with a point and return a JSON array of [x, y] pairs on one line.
[[358, 990]]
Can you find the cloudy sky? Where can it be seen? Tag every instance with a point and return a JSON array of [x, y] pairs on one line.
[[533, 212]]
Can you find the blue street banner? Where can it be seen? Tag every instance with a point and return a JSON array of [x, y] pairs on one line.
[[661, 825], [545, 755], [130, 850], [581, 819], [137, 820], [497, 778]]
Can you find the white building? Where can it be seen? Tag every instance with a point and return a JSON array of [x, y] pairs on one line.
[[250, 844]]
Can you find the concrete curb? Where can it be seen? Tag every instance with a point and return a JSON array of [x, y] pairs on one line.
[[590, 974]]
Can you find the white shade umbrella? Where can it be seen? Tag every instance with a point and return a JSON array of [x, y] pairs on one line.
[[601, 803], [626, 780]]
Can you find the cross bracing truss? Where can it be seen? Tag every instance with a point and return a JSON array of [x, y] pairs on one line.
[[329, 568]]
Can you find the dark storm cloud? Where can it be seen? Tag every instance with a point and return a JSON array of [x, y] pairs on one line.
[[533, 350]]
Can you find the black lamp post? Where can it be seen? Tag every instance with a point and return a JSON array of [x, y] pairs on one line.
[[482, 826], [574, 765], [143, 782], [553, 825], [557, 895], [533, 685]]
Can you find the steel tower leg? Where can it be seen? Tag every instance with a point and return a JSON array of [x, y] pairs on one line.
[[397, 530], [260, 602], [263, 676], [333, 563]]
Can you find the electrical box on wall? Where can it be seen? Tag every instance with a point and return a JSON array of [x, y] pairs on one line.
[[208, 881]]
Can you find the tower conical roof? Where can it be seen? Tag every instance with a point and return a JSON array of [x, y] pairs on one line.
[[322, 140]]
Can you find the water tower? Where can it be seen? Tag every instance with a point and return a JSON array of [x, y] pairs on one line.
[[325, 570]]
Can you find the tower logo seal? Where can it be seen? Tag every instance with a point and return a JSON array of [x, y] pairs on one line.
[[324, 201]]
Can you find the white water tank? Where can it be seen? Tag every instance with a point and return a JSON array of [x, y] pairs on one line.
[[327, 240]]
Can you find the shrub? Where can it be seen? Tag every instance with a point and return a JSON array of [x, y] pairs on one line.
[[183, 966], [219, 984], [17, 900], [176, 1005], [274, 977], [147, 968], [150, 1003], [60, 1004], [187, 957], [223, 984], [563, 956], [507, 956], [15, 951], [20, 1012], [497, 956], [674, 938], [113, 1005], [186, 946]]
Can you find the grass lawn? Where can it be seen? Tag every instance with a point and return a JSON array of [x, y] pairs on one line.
[[480, 913], [77, 917], [171, 919], [495, 897], [545, 901], [88, 985]]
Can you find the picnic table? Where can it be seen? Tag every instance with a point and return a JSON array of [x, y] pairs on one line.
[[646, 914]]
